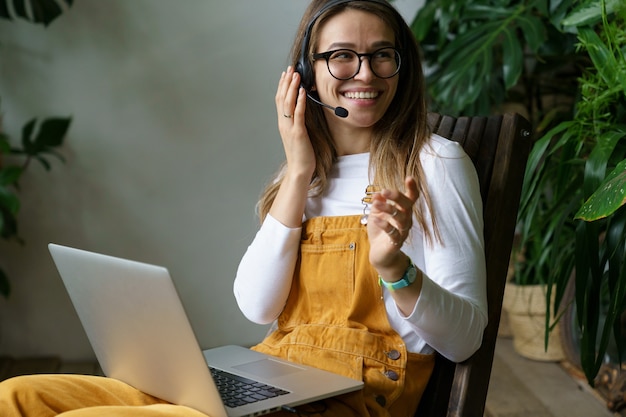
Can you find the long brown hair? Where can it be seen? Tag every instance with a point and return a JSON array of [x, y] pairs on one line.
[[398, 136]]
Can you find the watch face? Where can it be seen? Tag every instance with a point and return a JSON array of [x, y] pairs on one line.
[[410, 274]]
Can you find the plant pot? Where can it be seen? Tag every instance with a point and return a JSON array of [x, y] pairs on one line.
[[526, 309]]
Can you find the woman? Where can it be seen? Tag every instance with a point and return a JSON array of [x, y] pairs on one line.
[[369, 301], [366, 284]]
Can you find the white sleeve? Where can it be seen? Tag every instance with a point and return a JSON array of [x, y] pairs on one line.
[[451, 312], [265, 273]]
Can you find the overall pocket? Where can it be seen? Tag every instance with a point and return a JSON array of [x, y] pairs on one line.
[[323, 288]]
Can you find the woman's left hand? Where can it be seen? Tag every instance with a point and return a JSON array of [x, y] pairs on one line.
[[389, 223]]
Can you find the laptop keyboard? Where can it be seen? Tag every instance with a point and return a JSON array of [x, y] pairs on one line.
[[236, 390]]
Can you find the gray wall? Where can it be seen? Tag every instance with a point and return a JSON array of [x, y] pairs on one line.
[[173, 136]]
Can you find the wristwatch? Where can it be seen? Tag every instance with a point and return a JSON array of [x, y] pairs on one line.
[[410, 274]]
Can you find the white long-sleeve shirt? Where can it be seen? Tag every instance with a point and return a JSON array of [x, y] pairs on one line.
[[451, 311]]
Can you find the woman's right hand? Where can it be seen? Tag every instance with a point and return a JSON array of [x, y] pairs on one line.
[[290, 107], [289, 204]]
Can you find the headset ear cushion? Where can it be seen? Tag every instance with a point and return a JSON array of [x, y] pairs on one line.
[[306, 74]]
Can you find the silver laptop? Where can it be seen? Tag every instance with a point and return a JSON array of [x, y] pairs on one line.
[[140, 334]]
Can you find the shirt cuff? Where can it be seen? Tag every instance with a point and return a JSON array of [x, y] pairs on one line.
[[422, 301]]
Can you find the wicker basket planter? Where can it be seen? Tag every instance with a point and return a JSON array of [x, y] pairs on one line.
[[526, 309]]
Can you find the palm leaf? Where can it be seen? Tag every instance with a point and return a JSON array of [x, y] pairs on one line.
[[609, 196], [589, 13]]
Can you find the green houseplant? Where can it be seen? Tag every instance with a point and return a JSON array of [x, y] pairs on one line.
[[563, 64], [38, 141], [480, 54], [36, 144], [595, 141]]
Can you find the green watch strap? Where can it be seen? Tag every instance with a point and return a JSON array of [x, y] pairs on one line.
[[410, 274]]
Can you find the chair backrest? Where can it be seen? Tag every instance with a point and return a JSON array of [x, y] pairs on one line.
[[499, 146]]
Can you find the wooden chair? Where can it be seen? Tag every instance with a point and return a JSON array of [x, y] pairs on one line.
[[499, 146]]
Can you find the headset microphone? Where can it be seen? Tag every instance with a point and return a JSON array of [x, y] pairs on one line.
[[339, 111]]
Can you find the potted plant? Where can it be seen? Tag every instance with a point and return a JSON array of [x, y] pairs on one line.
[[38, 141], [588, 154], [564, 67]]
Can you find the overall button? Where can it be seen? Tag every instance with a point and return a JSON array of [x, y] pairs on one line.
[[381, 400], [393, 354], [392, 375]]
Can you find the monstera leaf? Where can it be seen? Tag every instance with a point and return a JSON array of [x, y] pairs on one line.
[[36, 11]]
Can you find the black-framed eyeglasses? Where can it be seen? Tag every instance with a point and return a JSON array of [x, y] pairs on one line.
[[344, 64]]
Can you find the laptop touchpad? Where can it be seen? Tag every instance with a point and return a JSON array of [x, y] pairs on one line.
[[268, 368]]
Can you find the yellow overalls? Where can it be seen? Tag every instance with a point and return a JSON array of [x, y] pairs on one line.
[[334, 319]]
